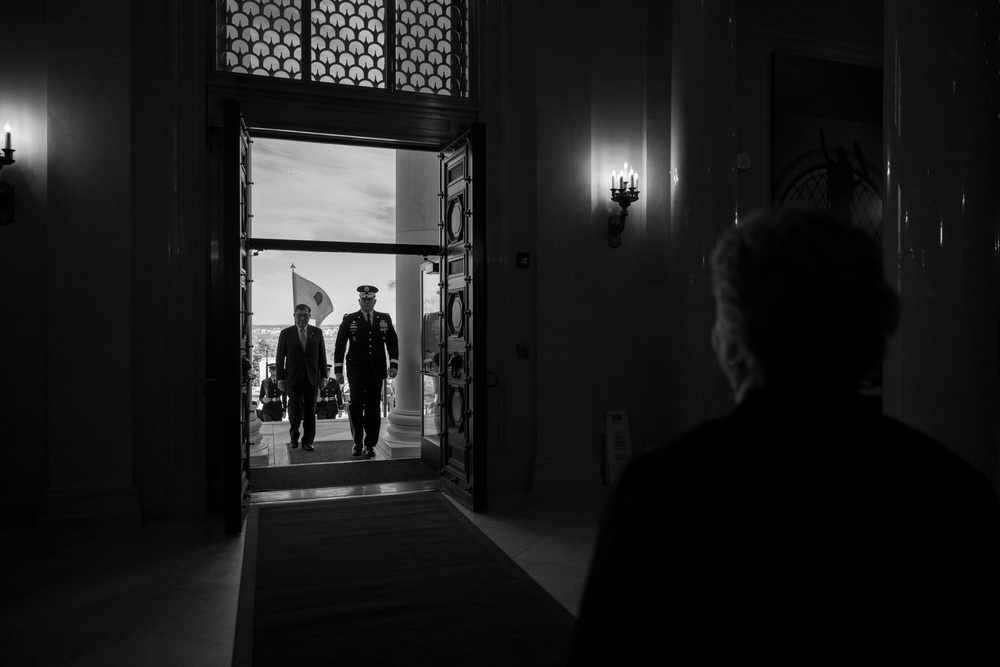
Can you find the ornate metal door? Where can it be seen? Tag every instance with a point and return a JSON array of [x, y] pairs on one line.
[[462, 404], [229, 351]]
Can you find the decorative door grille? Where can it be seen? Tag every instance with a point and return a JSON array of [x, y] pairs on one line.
[[809, 187], [348, 42]]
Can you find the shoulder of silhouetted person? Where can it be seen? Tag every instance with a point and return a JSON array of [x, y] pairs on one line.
[[755, 533]]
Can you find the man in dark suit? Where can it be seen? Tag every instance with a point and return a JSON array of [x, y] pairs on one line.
[[301, 368], [370, 334]]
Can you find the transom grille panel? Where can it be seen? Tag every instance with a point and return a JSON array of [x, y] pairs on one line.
[[261, 37], [349, 41], [430, 47]]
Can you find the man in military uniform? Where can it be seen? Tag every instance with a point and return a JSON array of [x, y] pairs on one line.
[[272, 398], [330, 400], [371, 334]]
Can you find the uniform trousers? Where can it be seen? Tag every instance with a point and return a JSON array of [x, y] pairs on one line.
[[302, 410], [326, 410], [272, 411], [366, 390]]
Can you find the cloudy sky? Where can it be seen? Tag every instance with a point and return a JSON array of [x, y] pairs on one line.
[[321, 192]]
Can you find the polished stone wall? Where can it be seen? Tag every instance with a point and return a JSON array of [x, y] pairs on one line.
[[25, 318], [942, 218]]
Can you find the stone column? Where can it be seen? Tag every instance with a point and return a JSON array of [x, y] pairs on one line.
[[703, 202], [417, 213], [402, 436], [941, 225], [89, 239]]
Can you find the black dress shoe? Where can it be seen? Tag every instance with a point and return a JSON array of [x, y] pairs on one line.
[[369, 451], [307, 446], [356, 451], [295, 444]]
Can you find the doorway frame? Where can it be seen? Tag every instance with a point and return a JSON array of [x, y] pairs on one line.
[[259, 243]]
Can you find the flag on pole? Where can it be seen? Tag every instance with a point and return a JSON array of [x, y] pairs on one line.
[[311, 294]]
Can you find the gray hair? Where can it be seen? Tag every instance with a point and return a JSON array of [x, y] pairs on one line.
[[804, 293]]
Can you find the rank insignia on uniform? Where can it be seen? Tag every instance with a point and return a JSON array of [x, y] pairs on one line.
[[383, 326]]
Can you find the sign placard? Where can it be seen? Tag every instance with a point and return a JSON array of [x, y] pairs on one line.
[[617, 445]]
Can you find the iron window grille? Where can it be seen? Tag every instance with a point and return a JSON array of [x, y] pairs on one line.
[[348, 41]]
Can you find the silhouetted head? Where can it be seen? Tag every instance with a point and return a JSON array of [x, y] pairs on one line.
[[800, 301]]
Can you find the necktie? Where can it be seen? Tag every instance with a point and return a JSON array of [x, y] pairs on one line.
[[302, 338], [368, 316]]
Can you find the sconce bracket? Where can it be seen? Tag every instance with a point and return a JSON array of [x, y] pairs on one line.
[[6, 203], [616, 223], [6, 157]]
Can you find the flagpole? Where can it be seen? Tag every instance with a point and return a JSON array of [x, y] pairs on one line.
[[293, 287]]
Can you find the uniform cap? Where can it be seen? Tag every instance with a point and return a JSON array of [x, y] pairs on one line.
[[272, 365], [367, 291]]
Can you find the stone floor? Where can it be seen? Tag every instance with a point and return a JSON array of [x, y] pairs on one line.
[[275, 437], [165, 593]]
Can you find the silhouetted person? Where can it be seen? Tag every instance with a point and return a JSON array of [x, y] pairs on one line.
[[804, 527], [301, 368], [842, 178]]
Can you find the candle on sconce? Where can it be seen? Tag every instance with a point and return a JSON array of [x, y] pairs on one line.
[[6, 136], [612, 179], [631, 179]]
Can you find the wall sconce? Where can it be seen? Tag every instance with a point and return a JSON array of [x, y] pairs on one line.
[[6, 189], [623, 193]]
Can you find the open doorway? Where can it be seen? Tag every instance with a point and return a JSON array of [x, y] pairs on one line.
[[327, 218], [437, 190]]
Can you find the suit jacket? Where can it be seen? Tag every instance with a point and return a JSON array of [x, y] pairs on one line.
[[800, 528], [368, 344], [297, 366]]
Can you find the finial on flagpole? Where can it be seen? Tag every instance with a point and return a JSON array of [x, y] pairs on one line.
[[293, 266]]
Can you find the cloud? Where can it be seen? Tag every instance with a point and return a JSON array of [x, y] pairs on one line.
[[323, 192]]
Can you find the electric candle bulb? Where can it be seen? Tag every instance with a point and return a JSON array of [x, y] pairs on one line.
[[6, 136]]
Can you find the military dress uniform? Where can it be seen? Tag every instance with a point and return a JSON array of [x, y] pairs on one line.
[[366, 344], [330, 401], [273, 400]]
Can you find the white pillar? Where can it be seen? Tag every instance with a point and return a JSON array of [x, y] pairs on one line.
[[402, 435], [417, 213]]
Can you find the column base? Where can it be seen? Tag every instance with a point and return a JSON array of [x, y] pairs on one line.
[[402, 435]]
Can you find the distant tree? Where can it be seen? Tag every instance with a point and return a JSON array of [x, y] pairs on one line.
[[255, 370], [261, 351]]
